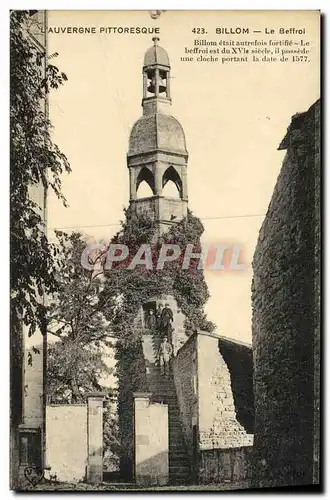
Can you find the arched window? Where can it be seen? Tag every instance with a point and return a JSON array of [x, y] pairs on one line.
[[172, 184], [145, 184], [144, 190]]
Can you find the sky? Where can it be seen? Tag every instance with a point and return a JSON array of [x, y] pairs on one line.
[[233, 115]]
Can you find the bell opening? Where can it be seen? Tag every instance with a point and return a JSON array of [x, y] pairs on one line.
[[152, 81]]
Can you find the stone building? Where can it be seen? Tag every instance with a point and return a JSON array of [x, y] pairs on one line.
[[286, 315], [157, 151], [29, 353], [187, 428]]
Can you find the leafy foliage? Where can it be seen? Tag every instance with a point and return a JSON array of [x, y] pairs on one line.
[[112, 445], [35, 163], [73, 370], [136, 286], [131, 288], [75, 308], [75, 362]]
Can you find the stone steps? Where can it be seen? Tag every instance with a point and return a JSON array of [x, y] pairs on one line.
[[163, 390], [179, 463]]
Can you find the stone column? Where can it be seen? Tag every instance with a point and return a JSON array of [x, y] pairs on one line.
[[145, 84], [168, 85], [184, 183], [95, 437], [132, 183], [156, 82], [158, 171], [151, 462]]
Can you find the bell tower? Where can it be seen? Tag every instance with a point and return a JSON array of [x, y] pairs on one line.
[[157, 154]]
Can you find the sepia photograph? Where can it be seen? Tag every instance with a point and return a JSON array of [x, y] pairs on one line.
[[165, 250]]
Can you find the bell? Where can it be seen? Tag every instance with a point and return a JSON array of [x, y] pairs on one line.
[[162, 87], [152, 86]]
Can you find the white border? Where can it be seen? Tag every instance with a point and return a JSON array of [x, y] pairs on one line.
[[4, 151]]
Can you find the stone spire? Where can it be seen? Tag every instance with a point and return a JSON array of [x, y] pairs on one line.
[[157, 151]]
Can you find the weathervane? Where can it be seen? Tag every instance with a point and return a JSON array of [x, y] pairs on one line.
[[154, 14]]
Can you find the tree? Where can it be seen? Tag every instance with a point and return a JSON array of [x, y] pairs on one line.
[[34, 161], [75, 361]]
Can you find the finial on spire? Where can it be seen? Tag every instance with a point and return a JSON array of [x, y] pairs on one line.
[[155, 40]]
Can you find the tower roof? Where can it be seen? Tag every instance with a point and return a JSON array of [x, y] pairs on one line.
[[156, 55], [158, 131]]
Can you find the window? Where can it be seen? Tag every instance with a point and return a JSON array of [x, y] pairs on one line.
[[30, 447], [172, 184]]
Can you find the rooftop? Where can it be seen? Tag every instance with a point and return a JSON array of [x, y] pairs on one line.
[[156, 55]]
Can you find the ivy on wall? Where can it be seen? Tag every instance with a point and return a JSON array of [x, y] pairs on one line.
[[125, 292]]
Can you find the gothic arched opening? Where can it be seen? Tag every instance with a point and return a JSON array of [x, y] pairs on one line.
[[145, 184], [172, 184]]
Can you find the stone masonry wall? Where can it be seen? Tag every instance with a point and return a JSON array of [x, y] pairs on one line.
[[33, 380], [232, 465], [205, 396], [286, 316], [145, 207], [184, 374], [218, 424], [238, 358]]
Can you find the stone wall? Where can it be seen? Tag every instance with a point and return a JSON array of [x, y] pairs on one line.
[[151, 441], [31, 429], [66, 441], [145, 206], [238, 357], [285, 319], [172, 209], [205, 397], [231, 465], [185, 380], [74, 440], [218, 425], [33, 380]]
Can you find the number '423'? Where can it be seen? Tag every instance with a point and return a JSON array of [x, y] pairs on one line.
[[199, 31]]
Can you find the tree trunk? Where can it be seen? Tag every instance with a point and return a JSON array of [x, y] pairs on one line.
[[76, 396]]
